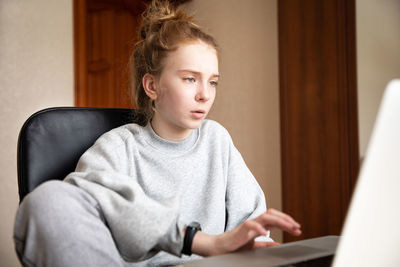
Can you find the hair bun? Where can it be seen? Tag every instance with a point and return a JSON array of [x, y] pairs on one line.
[[161, 12]]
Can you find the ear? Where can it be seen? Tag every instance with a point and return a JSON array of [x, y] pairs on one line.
[[150, 86]]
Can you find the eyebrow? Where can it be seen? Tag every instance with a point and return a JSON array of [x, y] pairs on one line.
[[196, 72]]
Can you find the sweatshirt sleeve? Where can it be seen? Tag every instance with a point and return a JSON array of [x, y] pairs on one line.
[[244, 196], [140, 225]]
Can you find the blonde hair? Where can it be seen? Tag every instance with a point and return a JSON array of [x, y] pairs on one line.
[[164, 28]]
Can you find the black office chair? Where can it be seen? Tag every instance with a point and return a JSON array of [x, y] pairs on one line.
[[52, 140]]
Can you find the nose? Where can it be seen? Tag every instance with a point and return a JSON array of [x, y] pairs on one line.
[[203, 93]]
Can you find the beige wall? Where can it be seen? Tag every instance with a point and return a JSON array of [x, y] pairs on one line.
[[36, 71], [378, 58], [247, 101]]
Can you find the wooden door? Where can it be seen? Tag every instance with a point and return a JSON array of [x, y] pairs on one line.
[[105, 34], [318, 93]]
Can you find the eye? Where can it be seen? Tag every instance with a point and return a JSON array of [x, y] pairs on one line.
[[214, 83], [189, 79]]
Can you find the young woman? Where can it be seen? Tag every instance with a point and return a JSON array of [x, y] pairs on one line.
[[140, 194]]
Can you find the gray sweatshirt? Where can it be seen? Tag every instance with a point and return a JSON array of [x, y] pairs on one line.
[[149, 188]]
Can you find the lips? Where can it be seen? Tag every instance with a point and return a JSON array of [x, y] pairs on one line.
[[198, 114]]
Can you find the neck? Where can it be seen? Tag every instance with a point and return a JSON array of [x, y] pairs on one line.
[[169, 133]]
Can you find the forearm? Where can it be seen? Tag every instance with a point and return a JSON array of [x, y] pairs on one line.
[[212, 245], [206, 245]]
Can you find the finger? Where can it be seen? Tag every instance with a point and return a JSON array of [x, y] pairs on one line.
[[243, 236], [253, 228], [283, 216], [272, 221], [265, 244]]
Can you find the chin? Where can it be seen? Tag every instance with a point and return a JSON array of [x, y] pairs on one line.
[[194, 124]]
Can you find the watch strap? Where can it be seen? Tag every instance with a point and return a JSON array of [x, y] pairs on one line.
[[191, 230]]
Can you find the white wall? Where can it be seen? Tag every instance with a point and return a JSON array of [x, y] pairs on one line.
[[378, 58], [36, 71], [247, 101]]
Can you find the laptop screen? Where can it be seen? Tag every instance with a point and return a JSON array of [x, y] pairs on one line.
[[371, 233]]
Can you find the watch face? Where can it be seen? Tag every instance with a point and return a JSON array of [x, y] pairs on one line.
[[195, 225]]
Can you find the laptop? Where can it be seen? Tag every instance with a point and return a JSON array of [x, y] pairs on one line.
[[371, 232]]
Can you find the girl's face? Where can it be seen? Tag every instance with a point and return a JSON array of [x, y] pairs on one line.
[[185, 90]]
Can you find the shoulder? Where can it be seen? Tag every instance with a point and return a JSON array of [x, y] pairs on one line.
[[214, 130], [213, 127], [120, 135]]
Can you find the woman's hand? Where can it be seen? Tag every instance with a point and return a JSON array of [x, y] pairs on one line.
[[242, 237]]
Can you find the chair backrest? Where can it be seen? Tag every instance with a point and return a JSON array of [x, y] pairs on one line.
[[52, 140]]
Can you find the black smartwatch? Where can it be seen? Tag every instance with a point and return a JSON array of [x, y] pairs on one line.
[[191, 230]]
